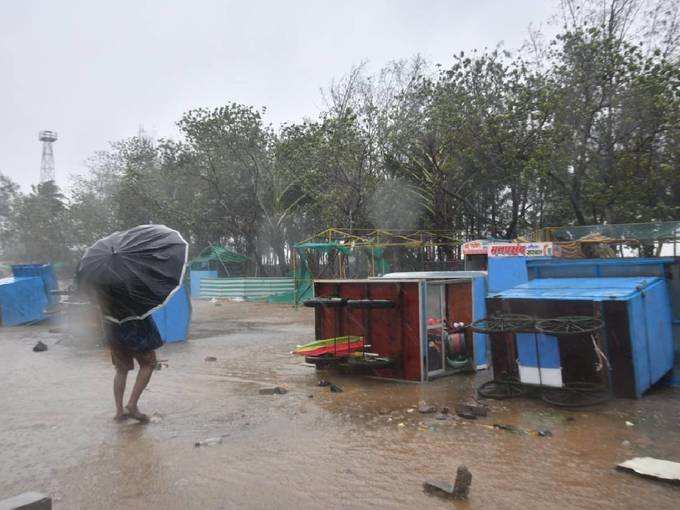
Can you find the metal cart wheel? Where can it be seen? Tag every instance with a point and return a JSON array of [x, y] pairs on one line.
[[569, 325], [576, 395], [504, 323], [376, 362], [322, 362], [502, 389]]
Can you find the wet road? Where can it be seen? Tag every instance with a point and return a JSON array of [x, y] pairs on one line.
[[309, 448]]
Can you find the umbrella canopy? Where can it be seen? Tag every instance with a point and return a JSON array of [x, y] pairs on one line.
[[132, 273]]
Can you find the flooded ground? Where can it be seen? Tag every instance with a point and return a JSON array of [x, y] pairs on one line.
[[309, 448]]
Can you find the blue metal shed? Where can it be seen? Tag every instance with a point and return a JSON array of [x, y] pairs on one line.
[[22, 300], [637, 315], [43, 271], [174, 318]]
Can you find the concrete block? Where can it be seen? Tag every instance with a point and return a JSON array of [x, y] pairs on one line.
[[27, 501]]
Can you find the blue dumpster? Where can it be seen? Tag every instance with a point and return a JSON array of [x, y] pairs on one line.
[[637, 331], [173, 319], [43, 271], [22, 300]]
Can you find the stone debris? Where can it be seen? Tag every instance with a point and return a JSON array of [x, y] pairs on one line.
[[210, 358], [211, 441], [39, 347], [471, 409], [650, 467], [27, 501], [276, 390], [425, 408], [460, 489]]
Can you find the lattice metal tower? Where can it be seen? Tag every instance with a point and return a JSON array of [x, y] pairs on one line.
[[47, 162]]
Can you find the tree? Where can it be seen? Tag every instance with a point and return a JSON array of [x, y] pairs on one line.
[[41, 226]]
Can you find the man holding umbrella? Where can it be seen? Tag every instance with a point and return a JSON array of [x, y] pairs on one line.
[[131, 274]]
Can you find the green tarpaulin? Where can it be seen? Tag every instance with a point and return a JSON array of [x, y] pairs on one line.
[[219, 254]]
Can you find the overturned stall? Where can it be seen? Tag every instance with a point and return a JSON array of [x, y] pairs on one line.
[[612, 335], [408, 326]]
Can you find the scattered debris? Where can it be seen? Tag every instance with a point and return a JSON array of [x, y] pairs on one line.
[[468, 415], [471, 408], [436, 486], [441, 416], [32, 500], [383, 410], [210, 358], [56, 330], [503, 426], [544, 433], [276, 390], [323, 383], [215, 302], [459, 490], [444, 410], [310, 396], [401, 424], [630, 424], [425, 408], [211, 441], [160, 364], [410, 410], [625, 443], [665, 470], [335, 389], [39, 347]]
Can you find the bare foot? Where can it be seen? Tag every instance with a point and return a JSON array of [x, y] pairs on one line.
[[121, 416], [135, 414]]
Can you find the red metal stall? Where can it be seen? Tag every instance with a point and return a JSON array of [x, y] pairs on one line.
[[415, 325]]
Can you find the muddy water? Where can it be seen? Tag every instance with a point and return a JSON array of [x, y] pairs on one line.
[[309, 448]]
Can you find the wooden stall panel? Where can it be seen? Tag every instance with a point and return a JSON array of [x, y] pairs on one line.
[[459, 302], [391, 332], [410, 331]]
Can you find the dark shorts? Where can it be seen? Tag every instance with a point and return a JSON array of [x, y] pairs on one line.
[[123, 359], [133, 340]]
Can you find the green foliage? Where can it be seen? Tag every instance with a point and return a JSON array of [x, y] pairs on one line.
[[585, 129]]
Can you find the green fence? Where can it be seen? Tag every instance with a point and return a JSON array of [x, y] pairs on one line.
[[247, 289]]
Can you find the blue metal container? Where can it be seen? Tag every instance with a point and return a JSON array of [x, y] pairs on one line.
[[643, 350], [22, 300], [174, 318], [663, 267], [43, 271]]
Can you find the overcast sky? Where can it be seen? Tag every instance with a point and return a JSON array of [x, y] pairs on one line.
[[96, 71]]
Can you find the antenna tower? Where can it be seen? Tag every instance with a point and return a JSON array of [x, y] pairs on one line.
[[47, 163]]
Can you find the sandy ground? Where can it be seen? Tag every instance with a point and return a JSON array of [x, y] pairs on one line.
[[309, 448]]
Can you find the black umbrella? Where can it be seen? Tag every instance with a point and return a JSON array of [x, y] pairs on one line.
[[134, 272]]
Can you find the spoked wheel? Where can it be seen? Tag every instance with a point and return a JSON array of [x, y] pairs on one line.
[[370, 362], [504, 323], [569, 325], [502, 389], [576, 395], [322, 362]]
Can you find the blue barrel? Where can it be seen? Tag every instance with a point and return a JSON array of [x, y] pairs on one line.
[[43, 271]]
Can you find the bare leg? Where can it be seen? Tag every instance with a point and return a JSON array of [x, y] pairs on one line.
[[118, 392], [142, 380]]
